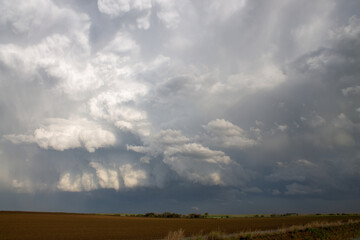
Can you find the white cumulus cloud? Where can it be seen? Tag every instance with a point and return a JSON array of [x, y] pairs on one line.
[[115, 8], [225, 134], [62, 134]]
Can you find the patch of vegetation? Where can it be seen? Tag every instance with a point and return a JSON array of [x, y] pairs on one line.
[[177, 235], [312, 231], [168, 215]]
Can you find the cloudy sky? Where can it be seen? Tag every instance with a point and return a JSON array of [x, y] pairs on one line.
[[233, 106]]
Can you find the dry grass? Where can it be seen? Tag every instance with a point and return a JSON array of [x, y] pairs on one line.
[[282, 230], [316, 224], [176, 235]]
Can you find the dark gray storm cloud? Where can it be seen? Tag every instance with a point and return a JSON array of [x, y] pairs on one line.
[[154, 105]]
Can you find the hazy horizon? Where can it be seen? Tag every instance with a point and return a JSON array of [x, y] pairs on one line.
[[231, 107]]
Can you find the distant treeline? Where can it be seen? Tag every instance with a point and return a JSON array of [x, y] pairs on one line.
[[284, 215], [197, 215], [169, 215], [206, 215]]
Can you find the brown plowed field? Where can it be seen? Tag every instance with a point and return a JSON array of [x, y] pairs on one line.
[[56, 226]]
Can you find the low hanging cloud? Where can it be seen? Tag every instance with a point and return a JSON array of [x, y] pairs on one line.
[[117, 108], [266, 78], [227, 135], [84, 182], [63, 134], [197, 163], [191, 161], [104, 176]]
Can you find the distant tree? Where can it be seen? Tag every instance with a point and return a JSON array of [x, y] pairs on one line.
[[150, 214], [195, 215]]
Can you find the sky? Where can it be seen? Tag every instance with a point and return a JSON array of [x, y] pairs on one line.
[[233, 106]]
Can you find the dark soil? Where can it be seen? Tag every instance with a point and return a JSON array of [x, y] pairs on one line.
[[56, 226]]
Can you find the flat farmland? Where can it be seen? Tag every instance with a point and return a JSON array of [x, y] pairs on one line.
[[56, 226]]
